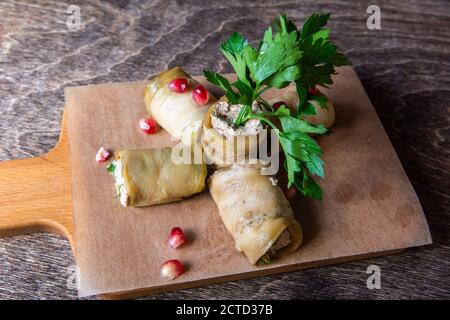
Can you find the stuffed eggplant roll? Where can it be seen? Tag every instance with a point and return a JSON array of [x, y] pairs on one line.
[[255, 212], [149, 176], [225, 143], [178, 103]]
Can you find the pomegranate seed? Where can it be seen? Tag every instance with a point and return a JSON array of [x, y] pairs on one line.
[[290, 193], [278, 104], [172, 269], [312, 90], [178, 85], [176, 237], [149, 126], [200, 95], [102, 155]]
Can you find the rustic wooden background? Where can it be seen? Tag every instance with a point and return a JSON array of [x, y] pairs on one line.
[[405, 68]]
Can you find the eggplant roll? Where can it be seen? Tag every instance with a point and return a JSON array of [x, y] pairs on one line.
[[223, 143], [149, 176], [255, 212], [176, 112], [323, 116]]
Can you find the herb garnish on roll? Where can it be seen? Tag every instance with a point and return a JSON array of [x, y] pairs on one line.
[[285, 55]]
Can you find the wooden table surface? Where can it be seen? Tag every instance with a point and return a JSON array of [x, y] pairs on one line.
[[404, 66]]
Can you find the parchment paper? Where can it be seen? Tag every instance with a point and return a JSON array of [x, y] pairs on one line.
[[369, 205]]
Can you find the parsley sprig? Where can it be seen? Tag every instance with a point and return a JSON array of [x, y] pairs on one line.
[[285, 55], [302, 152], [319, 58], [274, 64]]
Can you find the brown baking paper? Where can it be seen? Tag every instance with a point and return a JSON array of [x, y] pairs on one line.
[[369, 207]]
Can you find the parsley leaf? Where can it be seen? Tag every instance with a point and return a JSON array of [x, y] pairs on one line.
[[313, 25], [319, 59], [233, 50], [301, 151], [264, 260], [243, 115], [276, 53], [282, 111], [321, 100], [274, 64], [285, 55], [291, 124], [283, 24], [223, 83], [111, 168], [309, 109]]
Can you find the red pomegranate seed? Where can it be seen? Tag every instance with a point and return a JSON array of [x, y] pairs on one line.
[[290, 193], [200, 95], [278, 104], [149, 126], [178, 85], [176, 237], [172, 269], [312, 90], [102, 155]]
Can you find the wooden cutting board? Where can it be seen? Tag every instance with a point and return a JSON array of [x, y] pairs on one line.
[[369, 209]]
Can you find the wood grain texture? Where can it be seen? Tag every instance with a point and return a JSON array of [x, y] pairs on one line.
[[404, 68]]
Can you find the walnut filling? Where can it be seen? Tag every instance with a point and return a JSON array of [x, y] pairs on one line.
[[282, 242], [120, 182], [224, 115]]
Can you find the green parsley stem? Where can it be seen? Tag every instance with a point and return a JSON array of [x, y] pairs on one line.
[[260, 116]]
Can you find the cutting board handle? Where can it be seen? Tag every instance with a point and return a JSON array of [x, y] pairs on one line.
[[35, 193]]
